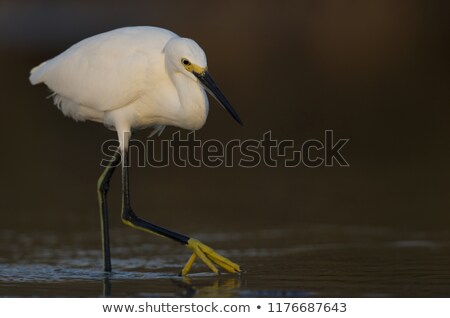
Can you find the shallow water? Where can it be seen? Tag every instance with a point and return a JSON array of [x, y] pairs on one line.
[[312, 261]]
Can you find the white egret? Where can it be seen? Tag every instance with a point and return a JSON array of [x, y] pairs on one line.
[[128, 79]]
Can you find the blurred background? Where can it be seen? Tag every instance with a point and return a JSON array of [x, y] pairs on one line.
[[375, 72]]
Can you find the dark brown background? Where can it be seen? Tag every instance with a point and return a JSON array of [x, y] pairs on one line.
[[376, 72]]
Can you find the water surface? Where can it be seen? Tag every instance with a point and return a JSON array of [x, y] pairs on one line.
[[312, 261]]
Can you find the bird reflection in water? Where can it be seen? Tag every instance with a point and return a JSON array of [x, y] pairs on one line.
[[214, 286]]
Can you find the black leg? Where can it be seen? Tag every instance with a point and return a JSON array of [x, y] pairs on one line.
[[102, 190], [204, 252], [131, 219]]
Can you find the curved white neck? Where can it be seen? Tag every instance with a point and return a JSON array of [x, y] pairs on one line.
[[193, 102]]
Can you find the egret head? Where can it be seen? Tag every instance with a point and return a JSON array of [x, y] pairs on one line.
[[187, 57]]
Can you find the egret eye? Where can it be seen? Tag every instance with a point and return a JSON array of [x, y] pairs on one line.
[[185, 62]]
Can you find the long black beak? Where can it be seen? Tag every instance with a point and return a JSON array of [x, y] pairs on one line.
[[211, 87]]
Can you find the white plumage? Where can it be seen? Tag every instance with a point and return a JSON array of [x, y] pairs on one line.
[[129, 78]]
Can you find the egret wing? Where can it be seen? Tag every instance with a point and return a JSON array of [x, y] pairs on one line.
[[106, 71]]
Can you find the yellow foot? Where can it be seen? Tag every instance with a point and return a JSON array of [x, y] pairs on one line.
[[209, 257]]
